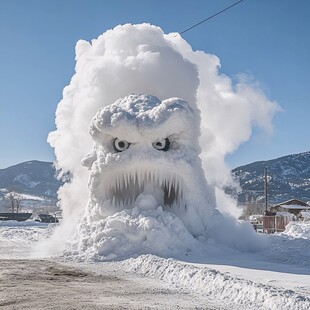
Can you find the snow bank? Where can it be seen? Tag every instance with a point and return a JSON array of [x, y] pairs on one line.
[[22, 224], [234, 293], [305, 215], [291, 247], [17, 239], [297, 230], [133, 232], [31, 197]]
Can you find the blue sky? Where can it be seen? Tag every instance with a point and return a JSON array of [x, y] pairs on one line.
[[270, 40]]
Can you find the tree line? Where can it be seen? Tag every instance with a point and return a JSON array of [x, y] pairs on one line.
[[15, 200]]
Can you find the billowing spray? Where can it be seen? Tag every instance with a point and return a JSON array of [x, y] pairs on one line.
[[141, 59]]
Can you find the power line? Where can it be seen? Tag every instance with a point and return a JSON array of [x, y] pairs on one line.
[[208, 18]]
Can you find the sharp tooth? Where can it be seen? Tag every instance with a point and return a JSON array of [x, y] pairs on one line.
[[125, 180], [139, 180], [169, 190], [116, 183], [108, 190], [136, 184], [129, 179]]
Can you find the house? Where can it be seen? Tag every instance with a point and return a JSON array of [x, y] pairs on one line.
[[293, 206], [281, 214]]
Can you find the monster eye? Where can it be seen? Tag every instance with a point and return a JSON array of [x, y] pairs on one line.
[[162, 145], [121, 145]]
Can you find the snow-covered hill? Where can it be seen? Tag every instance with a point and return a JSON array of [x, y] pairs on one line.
[[35, 179], [288, 177]]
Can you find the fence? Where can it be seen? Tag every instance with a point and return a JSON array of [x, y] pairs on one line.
[[272, 224]]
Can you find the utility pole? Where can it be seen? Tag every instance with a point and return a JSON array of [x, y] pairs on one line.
[[266, 191]]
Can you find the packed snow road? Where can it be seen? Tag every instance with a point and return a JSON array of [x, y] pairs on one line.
[[27, 282], [277, 277], [45, 284]]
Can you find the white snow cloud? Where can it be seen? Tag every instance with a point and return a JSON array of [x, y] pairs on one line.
[[228, 114], [128, 59], [142, 59]]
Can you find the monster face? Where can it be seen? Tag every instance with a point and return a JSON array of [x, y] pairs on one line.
[[144, 146]]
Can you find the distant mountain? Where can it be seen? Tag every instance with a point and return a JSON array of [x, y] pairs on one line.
[[32, 178], [288, 177]]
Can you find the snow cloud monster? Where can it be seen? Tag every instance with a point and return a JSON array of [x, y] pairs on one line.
[[166, 171], [147, 147], [148, 192]]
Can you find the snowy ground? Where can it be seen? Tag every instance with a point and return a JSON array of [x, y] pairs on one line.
[[275, 278]]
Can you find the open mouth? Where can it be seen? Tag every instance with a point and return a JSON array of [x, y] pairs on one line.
[[124, 188]]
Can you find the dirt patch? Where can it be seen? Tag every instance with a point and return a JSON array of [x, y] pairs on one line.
[[33, 284], [45, 284]]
